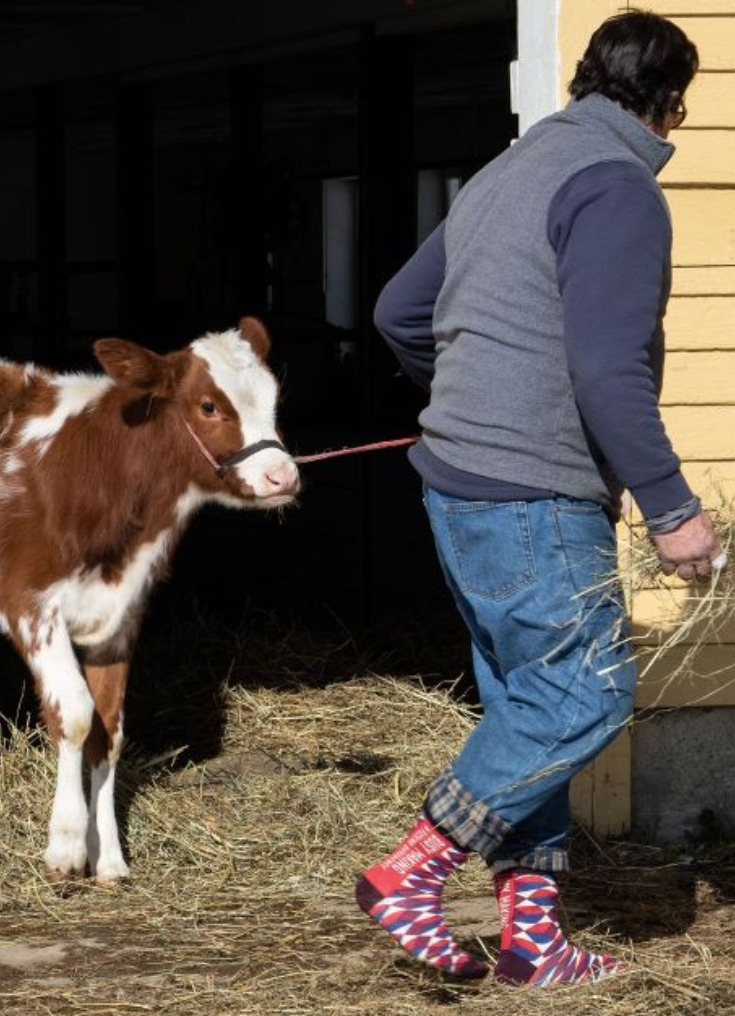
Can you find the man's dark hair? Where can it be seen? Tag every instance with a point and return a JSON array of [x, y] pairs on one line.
[[637, 59]]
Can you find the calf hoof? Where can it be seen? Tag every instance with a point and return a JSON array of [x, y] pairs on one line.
[[109, 871], [65, 856]]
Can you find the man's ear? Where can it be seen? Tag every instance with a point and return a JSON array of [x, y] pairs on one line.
[[254, 331], [132, 366]]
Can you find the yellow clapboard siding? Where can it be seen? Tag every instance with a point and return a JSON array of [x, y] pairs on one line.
[[701, 433], [708, 681], [700, 323], [600, 794], [657, 613], [710, 103], [577, 21], [706, 157], [712, 280], [709, 478], [689, 7], [649, 636], [660, 610], [714, 39], [704, 226], [699, 378]]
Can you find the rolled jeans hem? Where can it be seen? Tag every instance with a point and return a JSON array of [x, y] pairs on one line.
[[463, 817], [540, 859]]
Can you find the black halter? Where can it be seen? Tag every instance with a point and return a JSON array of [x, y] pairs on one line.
[[222, 468], [245, 453]]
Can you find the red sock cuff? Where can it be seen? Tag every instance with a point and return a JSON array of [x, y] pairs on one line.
[[504, 892], [423, 843]]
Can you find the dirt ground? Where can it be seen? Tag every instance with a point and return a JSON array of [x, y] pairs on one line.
[[250, 800]]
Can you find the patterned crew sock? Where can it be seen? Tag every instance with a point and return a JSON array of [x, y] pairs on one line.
[[533, 949], [403, 894]]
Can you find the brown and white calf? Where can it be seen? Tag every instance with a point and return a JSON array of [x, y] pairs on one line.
[[99, 475]]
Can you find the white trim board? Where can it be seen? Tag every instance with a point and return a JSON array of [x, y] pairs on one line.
[[537, 73]]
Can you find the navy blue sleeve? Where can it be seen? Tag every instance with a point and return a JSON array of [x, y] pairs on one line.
[[612, 238], [404, 313]]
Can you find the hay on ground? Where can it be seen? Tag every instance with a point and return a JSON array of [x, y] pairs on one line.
[[244, 863]]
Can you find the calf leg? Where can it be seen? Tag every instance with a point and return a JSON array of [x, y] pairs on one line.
[[68, 708], [107, 685]]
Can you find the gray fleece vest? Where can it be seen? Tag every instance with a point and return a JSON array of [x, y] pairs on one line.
[[502, 404]]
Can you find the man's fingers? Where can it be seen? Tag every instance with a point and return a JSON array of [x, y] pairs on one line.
[[700, 570], [703, 570]]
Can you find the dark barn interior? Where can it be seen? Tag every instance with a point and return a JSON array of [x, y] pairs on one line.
[[166, 167]]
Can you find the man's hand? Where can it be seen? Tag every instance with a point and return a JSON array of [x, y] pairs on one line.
[[689, 550]]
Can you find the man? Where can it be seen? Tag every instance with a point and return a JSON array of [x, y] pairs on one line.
[[534, 316]]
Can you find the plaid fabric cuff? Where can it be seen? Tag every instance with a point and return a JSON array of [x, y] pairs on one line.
[[540, 859], [463, 817]]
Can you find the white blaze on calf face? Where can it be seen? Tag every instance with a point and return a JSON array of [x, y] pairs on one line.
[[240, 374]]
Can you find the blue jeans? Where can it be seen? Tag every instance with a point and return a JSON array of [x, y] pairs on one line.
[[536, 585]]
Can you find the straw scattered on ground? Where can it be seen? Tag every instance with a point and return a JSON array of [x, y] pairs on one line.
[[267, 767]]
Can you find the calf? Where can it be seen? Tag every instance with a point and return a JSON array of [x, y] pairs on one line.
[[99, 475]]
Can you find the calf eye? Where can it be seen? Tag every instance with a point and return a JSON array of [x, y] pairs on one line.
[[208, 409]]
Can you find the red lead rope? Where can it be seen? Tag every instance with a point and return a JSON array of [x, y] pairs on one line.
[[397, 443], [221, 467]]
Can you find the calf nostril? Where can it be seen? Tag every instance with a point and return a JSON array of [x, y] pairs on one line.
[[282, 479]]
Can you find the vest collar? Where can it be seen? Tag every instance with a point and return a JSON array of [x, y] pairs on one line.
[[649, 147]]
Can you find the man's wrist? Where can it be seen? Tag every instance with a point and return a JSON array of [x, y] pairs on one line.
[[668, 521]]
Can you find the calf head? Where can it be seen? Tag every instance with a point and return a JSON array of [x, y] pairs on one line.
[[220, 391]]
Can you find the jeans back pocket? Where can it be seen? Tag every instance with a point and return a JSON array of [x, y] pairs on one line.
[[491, 547], [587, 540]]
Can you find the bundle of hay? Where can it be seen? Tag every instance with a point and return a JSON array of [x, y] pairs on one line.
[[675, 620]]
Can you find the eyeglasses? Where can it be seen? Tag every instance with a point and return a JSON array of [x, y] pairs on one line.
[[678, 114]]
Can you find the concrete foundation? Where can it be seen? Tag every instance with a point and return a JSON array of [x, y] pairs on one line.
[[684, 776]]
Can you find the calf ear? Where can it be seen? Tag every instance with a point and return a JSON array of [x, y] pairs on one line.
[[132, 366], [254, 331]]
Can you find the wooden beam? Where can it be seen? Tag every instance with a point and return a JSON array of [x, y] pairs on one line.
[[195, 35], [601, 793]]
